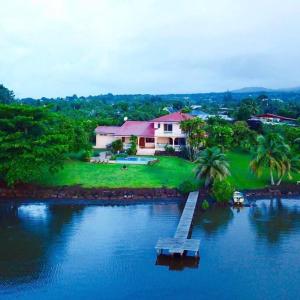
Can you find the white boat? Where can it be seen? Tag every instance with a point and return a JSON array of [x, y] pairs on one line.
[[238, 198]]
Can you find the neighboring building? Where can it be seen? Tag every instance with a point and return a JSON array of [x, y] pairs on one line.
[[152, 135], [204, 116], [272, 119]]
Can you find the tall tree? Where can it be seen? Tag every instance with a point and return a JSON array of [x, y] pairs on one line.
[[220, 136], [212, 165], [6, 96], [243, 136], [31, 140], [271, 154], [195, 135]]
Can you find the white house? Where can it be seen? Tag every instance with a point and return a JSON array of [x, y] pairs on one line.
[[152, 135]]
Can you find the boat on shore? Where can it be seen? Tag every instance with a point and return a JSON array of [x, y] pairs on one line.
[[238, 198]]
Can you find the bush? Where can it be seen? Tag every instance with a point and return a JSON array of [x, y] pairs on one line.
[[205, 205], [222, 190], [86, 156], [117, 146], [169, 149], [187, 187], [133, 146]]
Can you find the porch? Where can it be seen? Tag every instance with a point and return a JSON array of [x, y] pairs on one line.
[[175, 142]]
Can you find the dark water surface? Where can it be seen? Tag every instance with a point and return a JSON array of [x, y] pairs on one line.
[[55, 251]]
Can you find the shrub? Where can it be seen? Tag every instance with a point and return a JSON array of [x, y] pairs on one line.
[[169, 149], [117, 146], [205, 205], [86, 156], [188, 186], [133, 146], [222, 190]]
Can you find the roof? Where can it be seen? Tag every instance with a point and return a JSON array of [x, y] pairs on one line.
[[275, 117], [138, 128], [107, 129], [174, 117]]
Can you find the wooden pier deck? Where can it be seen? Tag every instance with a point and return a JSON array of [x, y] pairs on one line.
[[180, 242]]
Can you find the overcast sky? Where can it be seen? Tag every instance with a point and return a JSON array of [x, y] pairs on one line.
[[88, 47]]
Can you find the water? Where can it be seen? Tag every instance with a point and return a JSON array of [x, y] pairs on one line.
[[55, 251], [135, 160]]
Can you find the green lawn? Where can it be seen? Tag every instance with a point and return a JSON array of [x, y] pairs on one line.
[[168, 172], [241, 175]]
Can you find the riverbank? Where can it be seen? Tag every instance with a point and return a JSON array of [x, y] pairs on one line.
[[29, 191]]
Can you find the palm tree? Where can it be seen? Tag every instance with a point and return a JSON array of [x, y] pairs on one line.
[[212, 164], [271, 154], [291, 164]]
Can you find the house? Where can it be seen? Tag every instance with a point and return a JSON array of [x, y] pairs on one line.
[[205, 116], [272, 119], [152, 135]]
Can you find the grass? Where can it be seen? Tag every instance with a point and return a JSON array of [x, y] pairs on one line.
[[243, 178], [168, 172]]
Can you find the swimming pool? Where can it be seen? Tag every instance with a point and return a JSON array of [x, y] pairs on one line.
[[139, 160]]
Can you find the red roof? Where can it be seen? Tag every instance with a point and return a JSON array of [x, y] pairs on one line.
[[174, 117], [275, 117], [138, 128], [107, 129]]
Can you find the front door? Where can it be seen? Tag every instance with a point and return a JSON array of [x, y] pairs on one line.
[[142, 142]]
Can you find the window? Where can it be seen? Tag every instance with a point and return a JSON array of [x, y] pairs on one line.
[[179, 142], [123, 139], [149, 140], [158, 125], [168, 127]]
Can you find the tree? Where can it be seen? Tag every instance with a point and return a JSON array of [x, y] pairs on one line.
[[117, 146], [31, 140], [133, 145], [243, 137], [289, 164], [186, 109], [222, 190], [195, 136], [212, 165], [220, 136], [271, 154], [247, 108], [6, 96]]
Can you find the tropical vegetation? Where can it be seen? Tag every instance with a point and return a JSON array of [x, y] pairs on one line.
[[212, 165]]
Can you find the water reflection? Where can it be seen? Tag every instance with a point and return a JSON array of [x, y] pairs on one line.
[[28, 234], [177, 263], [215, 219], [272, 220]]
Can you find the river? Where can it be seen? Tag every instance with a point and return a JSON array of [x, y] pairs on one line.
[[81, 251]]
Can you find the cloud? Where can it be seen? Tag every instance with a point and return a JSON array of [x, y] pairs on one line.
[[61, 47]]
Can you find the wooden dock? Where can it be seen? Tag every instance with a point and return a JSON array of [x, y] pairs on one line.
[[180, 243]]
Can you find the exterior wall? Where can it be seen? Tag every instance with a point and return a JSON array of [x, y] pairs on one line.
[[176, 132], [161, 142], [149, 145], [102, 141], [126, 142]]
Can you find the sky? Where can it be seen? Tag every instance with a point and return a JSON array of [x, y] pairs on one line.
[[54, 48]]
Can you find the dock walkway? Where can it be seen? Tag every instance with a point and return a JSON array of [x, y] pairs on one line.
[[180, 242]]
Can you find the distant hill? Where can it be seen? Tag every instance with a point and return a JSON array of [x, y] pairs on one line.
[[250, 90]]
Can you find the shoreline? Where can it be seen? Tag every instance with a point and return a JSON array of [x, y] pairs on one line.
[[35, 192]]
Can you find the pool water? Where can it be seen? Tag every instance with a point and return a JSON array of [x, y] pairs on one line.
[[80, 251], [135, 159]]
